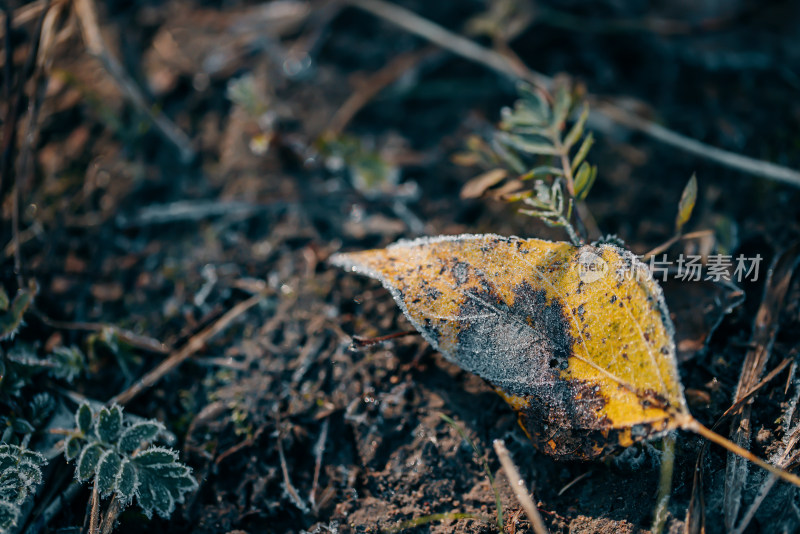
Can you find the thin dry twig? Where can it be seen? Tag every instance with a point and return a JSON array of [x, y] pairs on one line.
[[574, 481], [663, 247], [287, 481], [319, 450], [361, 342], [756, 167], [370, 88], [764, 331], [30, 70], [133, 339], [112, 513], [94, 515], [27, 13], [695, 514], [514, 69], [787, 457], [86, 11], [196, 343], [518, 485]]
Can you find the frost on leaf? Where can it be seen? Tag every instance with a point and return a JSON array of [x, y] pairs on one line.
[[108, 455], [72, 448], [88, 460], [163, 481], [577, 339], [83, 418], [11, 318], [20, 473], [67, 362], [127, 481], [108, 469], [109, 424], [8, 516], [138, 433]]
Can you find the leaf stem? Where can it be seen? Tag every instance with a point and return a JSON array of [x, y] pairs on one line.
[[94, 515], [566, 167], [112, 513]]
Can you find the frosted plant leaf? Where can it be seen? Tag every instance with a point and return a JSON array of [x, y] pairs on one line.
[[9, 513], [138, 433], [20, 473], [68, 363], [108, 469], [127, 481], [577, 339], [72, 448], [162, 481], [83, 418], [11, 319], [87, 461], [109, 424], [108, 455]]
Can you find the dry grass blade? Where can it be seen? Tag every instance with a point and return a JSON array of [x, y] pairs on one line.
[[396, 68], [287, 481], [196, 343], [518, 485], [86, 12], [695, 514], [763, 337], [515, 69], [319, 450], [787, 457]]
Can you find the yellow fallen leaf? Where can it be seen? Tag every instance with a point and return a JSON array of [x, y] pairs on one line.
[[578, 340]]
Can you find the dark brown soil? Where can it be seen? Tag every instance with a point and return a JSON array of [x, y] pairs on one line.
[[104, 239]]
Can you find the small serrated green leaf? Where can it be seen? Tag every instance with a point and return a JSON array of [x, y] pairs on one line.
[[108, 424], [12, 486], [587, 143], [164, 501], [11, 320], [23, 426], [67, 363], [20, 472], [87, 461], [108, 469], [41, 408], [137, 434], [83, 418], [155, 456], [72, 448], [163, 480], [686, 204], [9, 514], [127, 481], [584, 180], [576, 131], [29, 456]]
